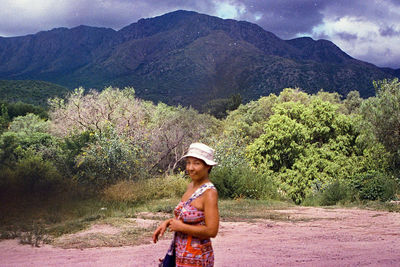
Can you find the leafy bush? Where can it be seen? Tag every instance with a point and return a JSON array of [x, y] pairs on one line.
[[26, 133], [233, 177], [108, 159], [69, 149], [26, 156], [147, 189], [32, 175], [334, 193], [242, 181], [374, 186]]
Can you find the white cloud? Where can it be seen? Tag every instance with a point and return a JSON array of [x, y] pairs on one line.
[[258, 16], [229, 9], [362, 39]]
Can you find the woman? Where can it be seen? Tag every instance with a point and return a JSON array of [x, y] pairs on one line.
[[196, 216]]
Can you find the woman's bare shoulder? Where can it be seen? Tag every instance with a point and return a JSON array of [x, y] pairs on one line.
[[211, 194]]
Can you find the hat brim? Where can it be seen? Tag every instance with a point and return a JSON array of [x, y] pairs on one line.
[[207, 161]]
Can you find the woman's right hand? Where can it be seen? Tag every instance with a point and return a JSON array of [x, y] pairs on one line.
[[160, 230]]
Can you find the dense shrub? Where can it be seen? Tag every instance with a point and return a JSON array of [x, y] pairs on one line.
[[147, 189], [107, 159], [233, 176], [27, 154], [25, 133], [36, 175], [31, 174], [69, 149], [334, 193], [374, 186], [242, 181], [247, 121]]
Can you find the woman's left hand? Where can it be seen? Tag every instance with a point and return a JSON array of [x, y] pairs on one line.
[[176, 225]]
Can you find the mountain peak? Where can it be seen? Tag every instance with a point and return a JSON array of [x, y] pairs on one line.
[[320, 50], [185, 57]]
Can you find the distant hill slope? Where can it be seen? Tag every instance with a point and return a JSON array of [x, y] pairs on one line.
[[31, 92], [186, 58]]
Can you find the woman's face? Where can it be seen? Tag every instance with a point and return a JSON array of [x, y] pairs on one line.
[[196, 168]]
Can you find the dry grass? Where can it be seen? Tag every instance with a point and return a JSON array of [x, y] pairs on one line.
[[110, 233], [144, 190]]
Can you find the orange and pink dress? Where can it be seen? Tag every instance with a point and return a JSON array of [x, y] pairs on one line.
[[191, 250]]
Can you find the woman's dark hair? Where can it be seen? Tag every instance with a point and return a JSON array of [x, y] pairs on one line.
[[209, 170]]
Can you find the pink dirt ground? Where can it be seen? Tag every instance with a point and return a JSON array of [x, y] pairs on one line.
[[329, 237]]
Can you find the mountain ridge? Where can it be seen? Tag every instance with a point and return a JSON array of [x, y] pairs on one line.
[[188, 58]]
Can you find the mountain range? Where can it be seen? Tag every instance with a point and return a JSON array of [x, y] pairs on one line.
[[186, 58]]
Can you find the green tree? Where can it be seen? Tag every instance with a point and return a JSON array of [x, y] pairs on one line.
[[4, 118], [247, 121], [306, 146], [22, 109], [381, 115], [220, 107], [352, 102]]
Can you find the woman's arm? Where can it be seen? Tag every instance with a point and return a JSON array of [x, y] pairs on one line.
[[211, 213], [161, 230]]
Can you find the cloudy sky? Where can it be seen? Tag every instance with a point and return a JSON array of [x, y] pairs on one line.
[[368, 30]]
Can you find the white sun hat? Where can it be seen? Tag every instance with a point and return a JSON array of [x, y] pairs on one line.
[[201, 151]]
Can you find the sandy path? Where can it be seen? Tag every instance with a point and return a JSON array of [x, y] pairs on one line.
[[326, 237]]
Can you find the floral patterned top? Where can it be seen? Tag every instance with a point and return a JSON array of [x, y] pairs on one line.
[[191, 250]]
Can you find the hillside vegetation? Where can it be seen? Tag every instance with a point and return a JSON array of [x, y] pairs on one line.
[[30, 92]]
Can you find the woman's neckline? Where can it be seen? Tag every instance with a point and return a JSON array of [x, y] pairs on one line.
[[195, 191]]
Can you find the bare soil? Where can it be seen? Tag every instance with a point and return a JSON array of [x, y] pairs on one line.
[[309, 237]]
